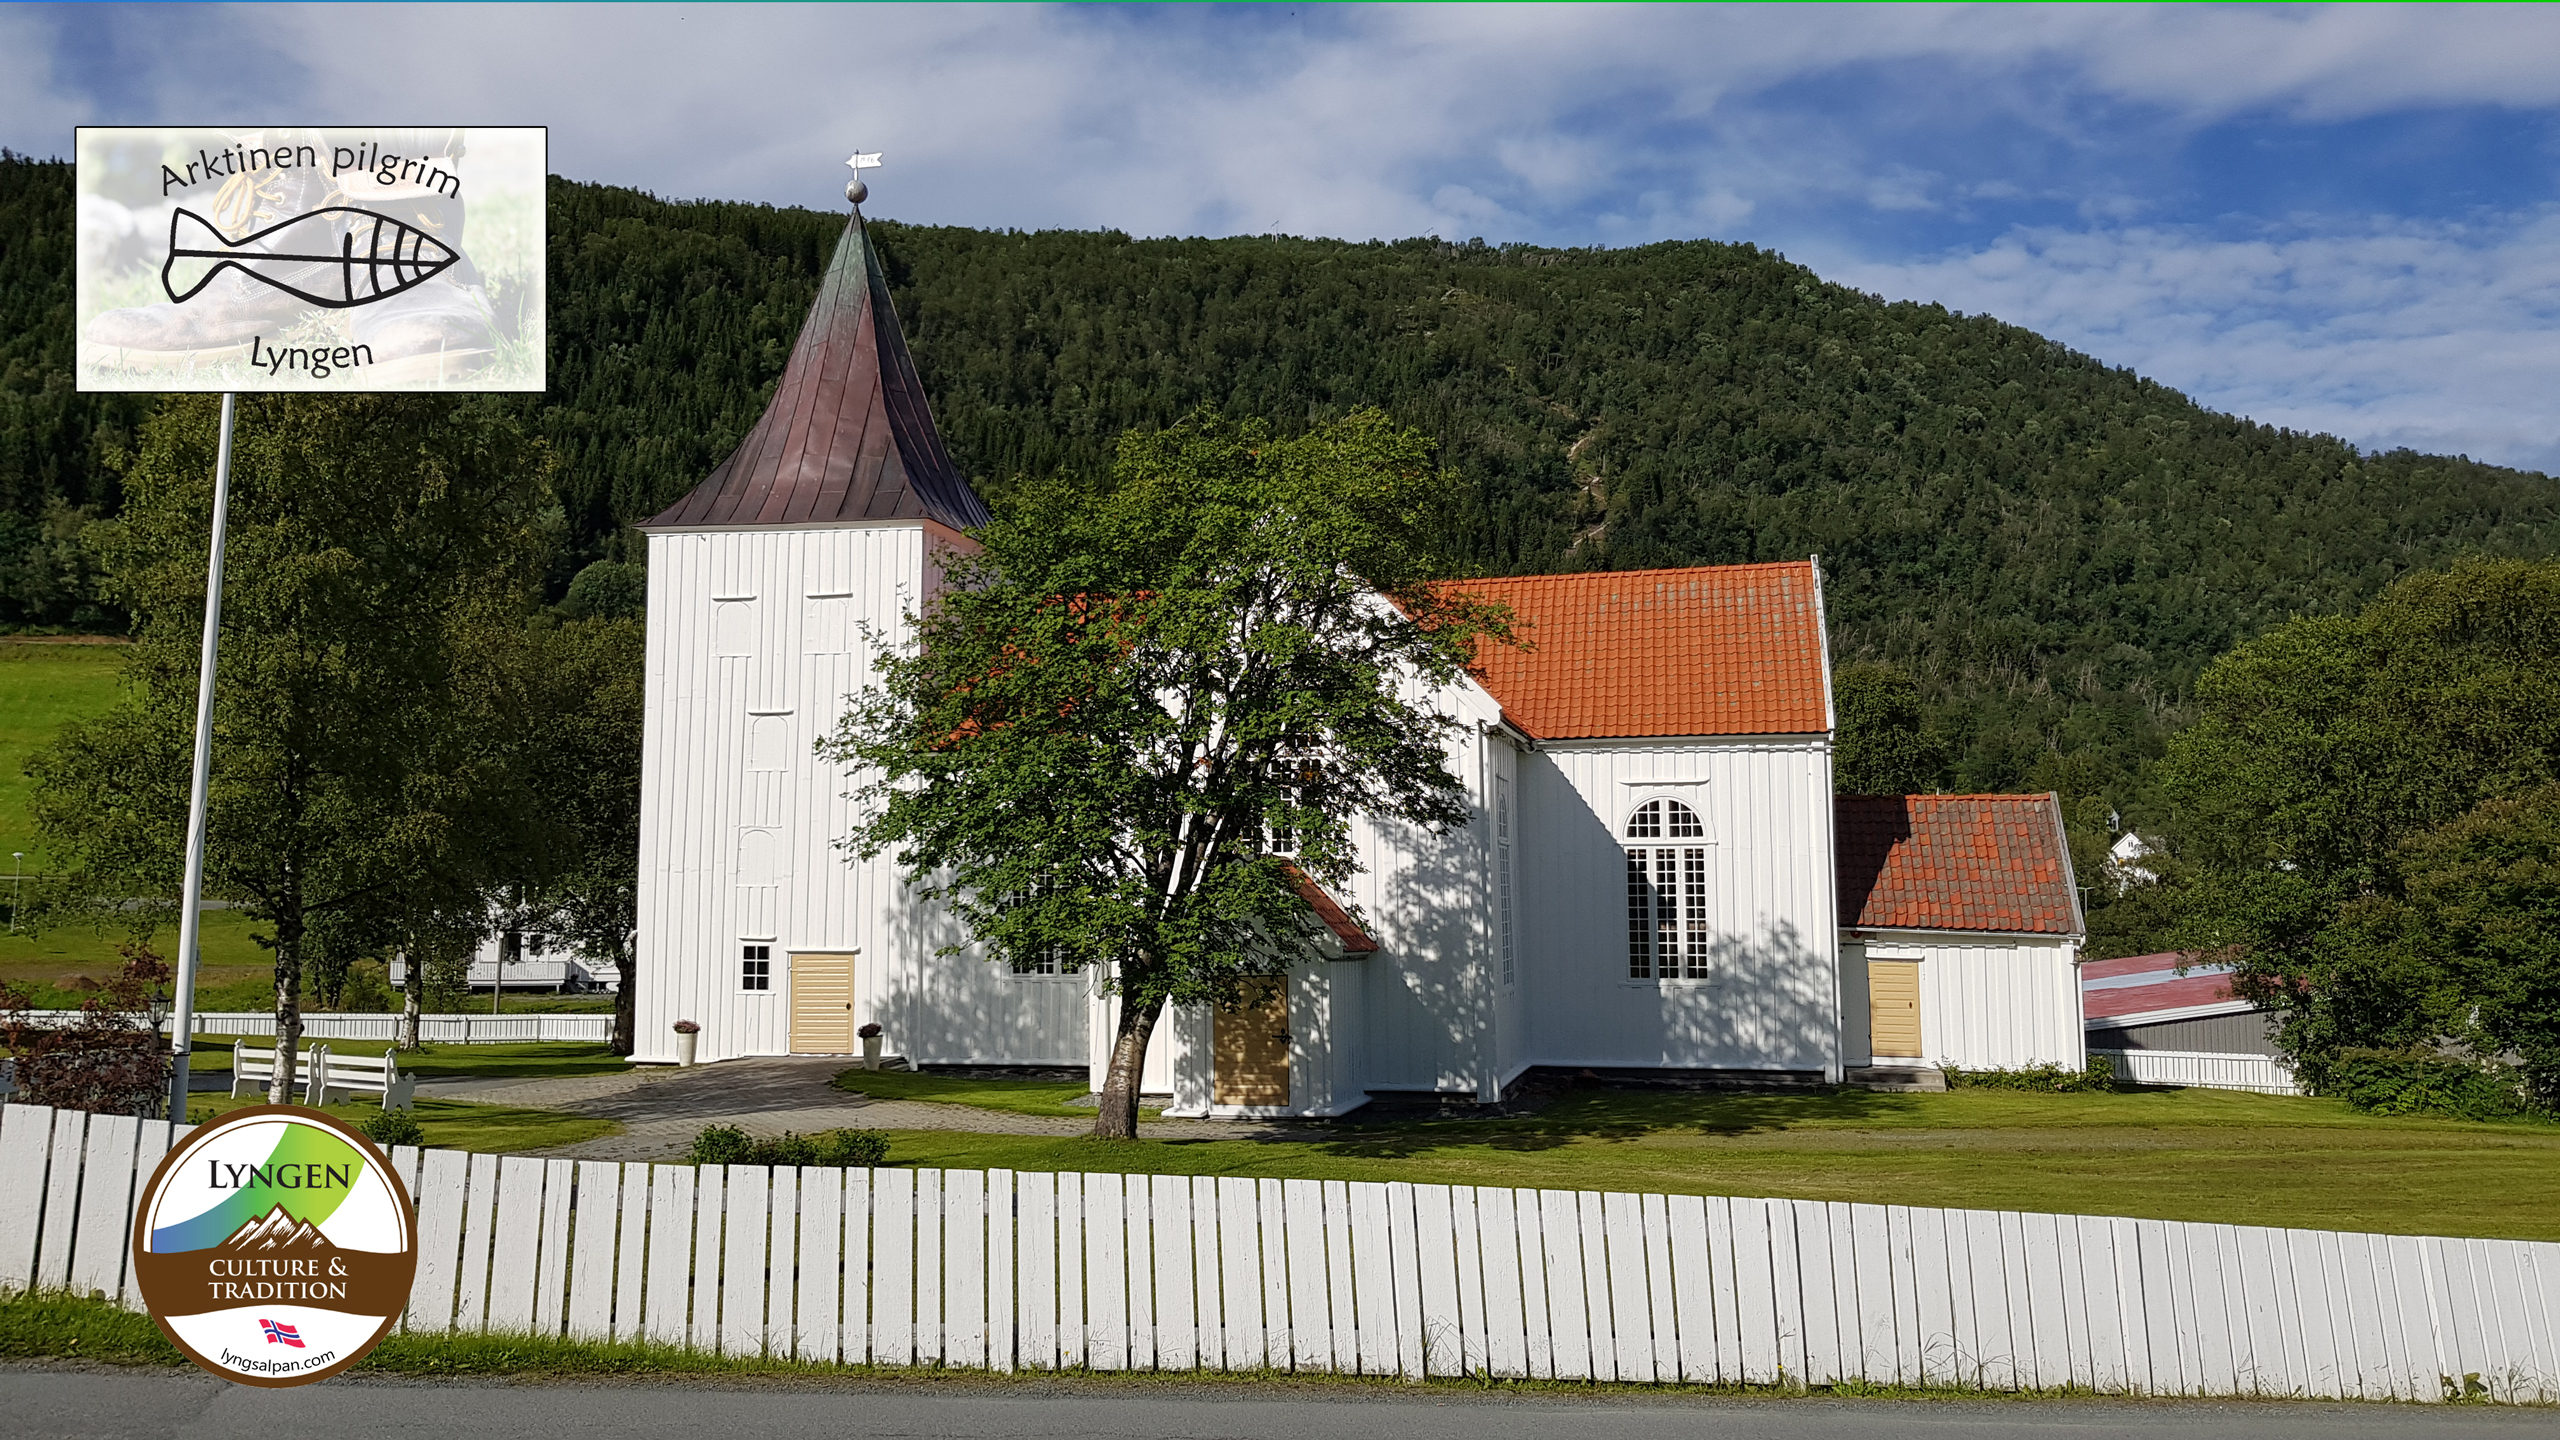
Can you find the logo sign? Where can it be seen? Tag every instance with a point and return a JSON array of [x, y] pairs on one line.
[[274, 1246], [297, 258]]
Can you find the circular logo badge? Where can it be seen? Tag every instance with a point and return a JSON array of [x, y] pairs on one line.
[[274, 1246]]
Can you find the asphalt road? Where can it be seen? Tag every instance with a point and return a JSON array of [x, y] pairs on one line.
[[54, 1401]]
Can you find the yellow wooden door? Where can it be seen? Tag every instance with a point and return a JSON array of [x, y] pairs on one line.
[[822, 1003], [1893, 998], [1251, 1047]]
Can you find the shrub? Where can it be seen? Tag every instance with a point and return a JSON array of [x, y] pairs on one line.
[[2424, 1082], [109, 1060], [393, 1127], [2045, 1079], [828, 1149]]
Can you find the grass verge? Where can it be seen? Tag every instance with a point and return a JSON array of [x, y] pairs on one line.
[[1014, 1097], [451, 1124], [63, 1327], [2174, 1155], [558, 1060]]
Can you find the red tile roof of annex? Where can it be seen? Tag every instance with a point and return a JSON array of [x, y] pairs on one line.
[[1711, 650], [1955, 862]]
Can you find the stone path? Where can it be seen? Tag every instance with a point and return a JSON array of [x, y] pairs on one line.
[[661, 1109]]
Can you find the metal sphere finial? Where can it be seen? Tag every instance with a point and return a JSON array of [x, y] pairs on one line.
[[857, 192], [860, 160]]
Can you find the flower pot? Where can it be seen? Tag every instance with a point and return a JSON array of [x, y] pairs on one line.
[[684, 1048], [870, 1052]]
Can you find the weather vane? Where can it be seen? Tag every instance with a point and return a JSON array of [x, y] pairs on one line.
[[856, 191]]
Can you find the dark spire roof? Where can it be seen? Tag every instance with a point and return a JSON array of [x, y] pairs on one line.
[[848, 435]]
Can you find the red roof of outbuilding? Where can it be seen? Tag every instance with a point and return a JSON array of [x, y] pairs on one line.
[[2147, 985], [847, 435], [1715, 650], [1955, 862]]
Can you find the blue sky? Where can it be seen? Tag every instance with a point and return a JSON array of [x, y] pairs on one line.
[[2333, 218]]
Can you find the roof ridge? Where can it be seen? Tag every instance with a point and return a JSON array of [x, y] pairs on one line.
[[1805, 563]]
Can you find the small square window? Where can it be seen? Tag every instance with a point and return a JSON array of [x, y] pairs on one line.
[[755, 969]]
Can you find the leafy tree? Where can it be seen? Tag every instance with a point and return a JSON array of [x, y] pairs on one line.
[[371, 537], [583, 769], [1883, 745], [2349, 782], [1115, 708], [608, 590]]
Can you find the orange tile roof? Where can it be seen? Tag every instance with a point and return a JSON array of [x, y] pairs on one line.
[[1955, 862], [1714, 650]]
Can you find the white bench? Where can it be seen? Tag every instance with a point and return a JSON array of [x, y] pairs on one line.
[[336, 1077], [326, 1078]]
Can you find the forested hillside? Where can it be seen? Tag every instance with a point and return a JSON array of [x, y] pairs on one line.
[[2054, 547]]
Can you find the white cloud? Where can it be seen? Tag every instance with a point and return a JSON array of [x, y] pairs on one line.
[[2437, 336], [36, 110]]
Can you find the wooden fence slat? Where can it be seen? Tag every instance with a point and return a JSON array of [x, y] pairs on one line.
[[2021, 1303], [479, 1234], [1991, 1355], [1036, 1200], [591, 1249], [1658, 1283], [1630, 1306], [1529, 1241], [1177, 1328], [1786, 1270], [964, 1268], [1074, 1318], [26, 1143], [551, 1257], [1506, 1330], [1568, 1290], [1342, 1317], [817, 1303], [893, 1267], [2045, 1345], [1691, 1292], [1404, 1267], [105, 1232], [1901, 1260], [1208, 1314], [1816, 1291], [1240, 1273], [630, 1252], [1373, 1284], [516, 1244], [1466, 1251], [782, 1263], [1876, 1339], [1270, 1217], [151, 1146], [667, 1315], [1756, 1292], [1308, 1340], [2315, 1264], [1935, 1333], [710, 1223], [1003, 1333], [2540, 1282], [861, 1189], [2103, 1354], [443, 1191], [1724, 1292], [929, 1267], [61, 1200], [1107, 1273]]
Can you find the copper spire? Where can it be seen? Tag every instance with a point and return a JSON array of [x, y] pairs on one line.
[[848, 435]]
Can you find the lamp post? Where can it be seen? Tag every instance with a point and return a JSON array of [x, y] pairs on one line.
[[17, 885]]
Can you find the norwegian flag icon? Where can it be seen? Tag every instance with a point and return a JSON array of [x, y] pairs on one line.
[[281, 1334]]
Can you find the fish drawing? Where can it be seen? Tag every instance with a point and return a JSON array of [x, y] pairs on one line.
[[365, 250]]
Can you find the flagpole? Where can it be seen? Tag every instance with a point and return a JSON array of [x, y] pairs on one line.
[[182, 1014]]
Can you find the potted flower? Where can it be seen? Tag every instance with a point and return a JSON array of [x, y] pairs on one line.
[[870, 1034], [686, 1031]]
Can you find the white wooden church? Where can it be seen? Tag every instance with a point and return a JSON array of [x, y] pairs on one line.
[[1657, 876]]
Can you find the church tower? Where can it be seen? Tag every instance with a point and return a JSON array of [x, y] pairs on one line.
[[828, 523]]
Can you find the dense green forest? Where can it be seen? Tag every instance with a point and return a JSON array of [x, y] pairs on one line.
[[2052, 546]]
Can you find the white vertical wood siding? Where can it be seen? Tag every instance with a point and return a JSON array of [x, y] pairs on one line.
[[755, 640], [996, 1270], [1767, 809], [1999, 1002]]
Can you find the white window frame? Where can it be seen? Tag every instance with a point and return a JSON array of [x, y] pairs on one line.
[[1670, 862], [755, 950]]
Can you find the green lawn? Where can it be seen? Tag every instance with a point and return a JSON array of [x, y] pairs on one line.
[[449, 1124], [42, 685], [1018, 1097], [2176, 1155]]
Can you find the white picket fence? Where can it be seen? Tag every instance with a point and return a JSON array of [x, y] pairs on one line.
[[432, 1029], [1004, 1270], [2210, 1070]]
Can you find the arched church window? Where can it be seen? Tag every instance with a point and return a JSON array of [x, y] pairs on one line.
[[1668, 935]]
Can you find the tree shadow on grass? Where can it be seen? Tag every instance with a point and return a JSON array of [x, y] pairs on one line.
[[1583, 1115]]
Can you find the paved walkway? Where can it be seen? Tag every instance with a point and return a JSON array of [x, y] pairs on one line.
[[661, 1109]]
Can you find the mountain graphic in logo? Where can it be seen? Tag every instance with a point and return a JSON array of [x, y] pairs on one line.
[[276, 1233]]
